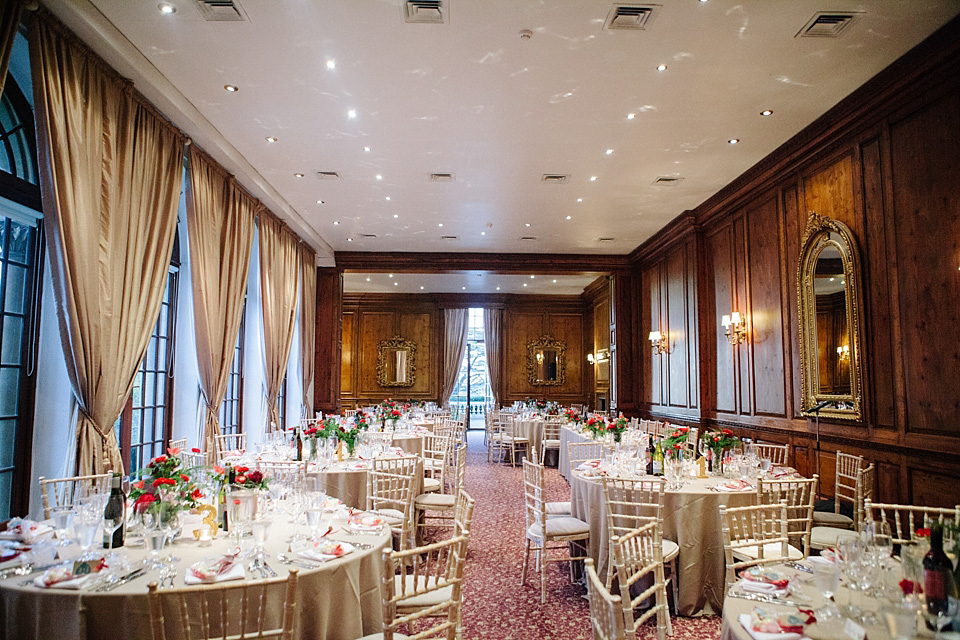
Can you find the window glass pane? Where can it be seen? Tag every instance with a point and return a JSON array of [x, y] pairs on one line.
[[8, 435], [9, 391], [12, 340], [149, 385], [8, 116], [6, 486], [19, 242], [16, 289]]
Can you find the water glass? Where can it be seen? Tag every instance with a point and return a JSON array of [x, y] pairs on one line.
[[827, 579], [86, 531], [156, 540], [62, 520]]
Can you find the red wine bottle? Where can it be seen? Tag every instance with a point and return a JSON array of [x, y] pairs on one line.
[[938, 584]]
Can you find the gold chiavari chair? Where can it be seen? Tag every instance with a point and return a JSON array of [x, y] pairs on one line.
[[824, 537], [551, 438], [436, 509], [59, 492], [580, 452], [636, 555], [845, 490], [606, 615], [800, 496], [755, 535]]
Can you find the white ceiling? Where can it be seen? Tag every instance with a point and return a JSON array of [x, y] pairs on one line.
[[472, 98], [469, 282]]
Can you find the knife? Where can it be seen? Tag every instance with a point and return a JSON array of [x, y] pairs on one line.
[[763, 597], [797, 565], [110, 586]]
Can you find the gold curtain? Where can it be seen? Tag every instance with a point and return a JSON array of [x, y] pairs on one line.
[[111, 172], [455, 325], [10, 15], [279, 267], [220, 222], [308, 322]]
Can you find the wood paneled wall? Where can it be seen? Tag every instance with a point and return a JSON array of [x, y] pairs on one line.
[[884, 162]]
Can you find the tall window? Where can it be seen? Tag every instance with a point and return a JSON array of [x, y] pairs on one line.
[[21, 251], [472, 389], [231, 410], [282, 404], [143, 429]]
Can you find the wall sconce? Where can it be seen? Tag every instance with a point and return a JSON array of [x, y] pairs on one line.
[[843, 353], [658, 341], [734, 328], [600, 356]]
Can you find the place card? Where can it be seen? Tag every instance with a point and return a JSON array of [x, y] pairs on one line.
[[853, 631]]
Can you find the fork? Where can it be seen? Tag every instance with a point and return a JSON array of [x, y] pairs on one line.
[[171, 575]]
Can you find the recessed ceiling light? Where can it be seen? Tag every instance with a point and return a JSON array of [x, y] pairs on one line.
[[349, 239], [390, 276], [379, 177], [396, 215], [271, 139], [766, 112], [387, 198], [231, 88], [631, 116], [609, 152], [498, 288], [298, 175], [321, 202], [367, 149], [661, 67], [554, 282], [396, 284], [421, 288], [368, 279], [352, 113], [568, 217], [527, 224], [331, 64], [483, 233], [593, 178], [166, 8], [336, 222], [532, 277], [579, 199], [463, 288], [440, 225], [524, 284], [733, 140]]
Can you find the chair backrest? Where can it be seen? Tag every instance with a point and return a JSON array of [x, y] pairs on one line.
[[905, 519], [606, 615], [845, 486], [462, 513], [632, 503], [636, 555], [243, 608], [551, 429], [393, 491], [777, 454], [59, 492], [400, 465], [424, 570], [763, 527], [508, 424], [800, 497], [582, 451], [193, 459], [179, 445], [228, 442], [866, 479], [435, 447], [458, 470], [534, 505], [286, 468]]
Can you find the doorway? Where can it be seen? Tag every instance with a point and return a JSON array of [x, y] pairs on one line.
[[472, 390]]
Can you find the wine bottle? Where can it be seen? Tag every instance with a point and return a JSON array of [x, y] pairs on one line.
[[298, 444], [658, 459], [116, 508], [229, 477], [938, 584]]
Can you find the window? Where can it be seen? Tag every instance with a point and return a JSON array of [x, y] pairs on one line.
[[472, 390], [231, 410], [282, 404], [143, 428]]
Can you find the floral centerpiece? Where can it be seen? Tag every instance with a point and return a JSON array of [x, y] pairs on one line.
[[246, 478], [166, 489], [718, 442], [347, 436], [362, 420], [617, 428], [596, 426], [676, 442], [573, 416], [393, 415]]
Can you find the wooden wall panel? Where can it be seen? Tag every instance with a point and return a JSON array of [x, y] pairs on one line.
[[720, 255], [374, 326], [327, 375], [675, 312], [349, 352], [422, 327], [926, 164], [522, 326]]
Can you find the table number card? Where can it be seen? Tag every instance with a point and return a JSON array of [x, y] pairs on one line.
[[209, 514], [853, 631]]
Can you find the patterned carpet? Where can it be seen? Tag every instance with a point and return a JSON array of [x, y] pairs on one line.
[[496, 606]]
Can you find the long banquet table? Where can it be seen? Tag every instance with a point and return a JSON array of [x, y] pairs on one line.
[[691, 518], [338, 601]]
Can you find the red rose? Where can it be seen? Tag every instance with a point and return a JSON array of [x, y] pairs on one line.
[[185, 477], [159, 460], [173, 451], [923, 533], [678, 446], [218, 470], [138, 485], [310, 431], [684, 429], [144, 501], [195, 450], [240, 470], [240, 479], [255, 477], [159, 482], [197, 494]]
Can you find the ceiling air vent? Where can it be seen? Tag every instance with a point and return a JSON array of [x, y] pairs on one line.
[[528, 238], [667, 181], [220, 10], [554, 178], [442, 177], [424, 11], [368, 236], [450, 238], [827, 24], [605, 239], [329, 175], [632, 17]]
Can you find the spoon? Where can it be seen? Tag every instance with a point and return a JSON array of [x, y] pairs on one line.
[[304, 564]]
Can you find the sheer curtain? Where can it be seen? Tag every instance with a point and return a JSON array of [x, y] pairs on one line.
[[111, 169], [308, 322], [454, 346], [220, 219], [279, 287], [493, 342], [10, 15]]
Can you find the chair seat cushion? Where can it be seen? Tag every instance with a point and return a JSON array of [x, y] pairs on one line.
[[551, 444], [423, 600], [559, 508], [379, 636], [670, 549], [770, 550], [823, 537], [431, 484], [560, 526], [435, 501], [831, 519]]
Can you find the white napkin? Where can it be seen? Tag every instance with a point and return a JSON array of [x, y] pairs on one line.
[[761, 587], [316, 554], [821, 560], [735, 485], [235, 572], [759, 635], [74, 583], [27, 531]]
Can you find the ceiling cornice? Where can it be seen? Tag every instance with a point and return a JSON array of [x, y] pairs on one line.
[[506, 263]]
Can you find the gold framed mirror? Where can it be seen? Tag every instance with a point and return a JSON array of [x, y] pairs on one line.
[[547, 362], [831, 352], [396, 362]]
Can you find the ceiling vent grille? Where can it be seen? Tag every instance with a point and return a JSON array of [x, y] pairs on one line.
[[667, 181], [329, 175], [827, 24], [450, 238], [630, 17], [368, 236], [554, 178], [605, 239], [220, 10], [442, 177], [528, 238], [424, 11]]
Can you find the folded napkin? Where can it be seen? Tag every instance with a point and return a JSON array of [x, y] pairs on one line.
[[747, 622], [589, 464], [62, 577], [25, 530], [762, 587], [822, 560], [366, 522], [11, 558], [214, 570], [326, 550], [735, 485]]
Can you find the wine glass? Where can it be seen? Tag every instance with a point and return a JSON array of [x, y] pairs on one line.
[[849, 550], [63, 516], [939, 611], [827, 578], [85, 529], [110, 526], [156, 539], [260, 528]]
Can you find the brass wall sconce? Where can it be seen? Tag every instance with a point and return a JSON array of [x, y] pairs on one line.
[[843, 353], [734, 327], [601, 355], [659, 342]]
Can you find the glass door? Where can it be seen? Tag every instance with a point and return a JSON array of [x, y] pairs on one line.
[[472, 391]]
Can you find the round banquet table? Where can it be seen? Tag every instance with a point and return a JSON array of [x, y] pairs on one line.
[[409, 442], [567, 435], [340, 600], [347, 481], [532, 430], [691, 518]]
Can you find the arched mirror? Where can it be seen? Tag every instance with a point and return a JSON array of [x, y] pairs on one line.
[[830, 346], [546, 361], [396, 362]]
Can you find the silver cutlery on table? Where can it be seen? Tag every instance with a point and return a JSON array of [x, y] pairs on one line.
[[303, 564], [359, 545], [766, 598], [267, 569], [797, 565], [115, 581]]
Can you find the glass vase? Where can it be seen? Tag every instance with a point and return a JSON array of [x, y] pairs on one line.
[[313, 455]]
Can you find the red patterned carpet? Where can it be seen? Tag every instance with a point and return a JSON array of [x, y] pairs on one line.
[[496, 606]]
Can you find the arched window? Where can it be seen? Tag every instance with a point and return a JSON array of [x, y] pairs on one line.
[[18, 151]]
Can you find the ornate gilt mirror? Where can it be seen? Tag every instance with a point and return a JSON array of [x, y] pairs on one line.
[[546, 361], [396, 362], [831, 351]]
